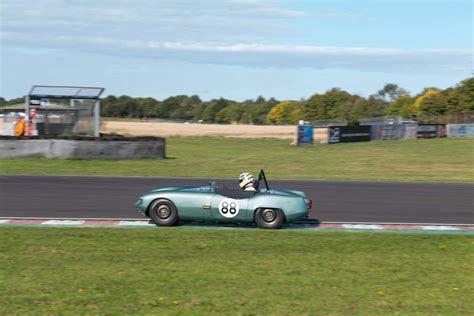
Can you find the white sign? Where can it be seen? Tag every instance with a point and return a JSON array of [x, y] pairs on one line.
[[229, 208], [334, 135]]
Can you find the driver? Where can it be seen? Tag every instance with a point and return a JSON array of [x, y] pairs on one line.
[[246, 182]]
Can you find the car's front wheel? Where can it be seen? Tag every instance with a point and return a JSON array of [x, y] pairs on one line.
[[269, 218], [163, 213]]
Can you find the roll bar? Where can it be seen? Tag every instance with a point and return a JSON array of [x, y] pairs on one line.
[[261, 176]]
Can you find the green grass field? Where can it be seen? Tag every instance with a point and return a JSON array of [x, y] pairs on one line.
[[409, 160], [52, 271]]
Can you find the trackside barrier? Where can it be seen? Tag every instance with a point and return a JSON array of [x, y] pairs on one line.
[[349, 134], [393, 131], [321, 135], [7, 128], [460, 130], [304, 134], [387, 132], [431, 130], [410, 131], [345, 134]]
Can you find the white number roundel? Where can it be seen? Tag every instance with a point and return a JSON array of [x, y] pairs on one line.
[[229, 208]]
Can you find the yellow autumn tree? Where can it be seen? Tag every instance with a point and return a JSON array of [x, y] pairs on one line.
[[276, 113], [416, 108], [286, 112]]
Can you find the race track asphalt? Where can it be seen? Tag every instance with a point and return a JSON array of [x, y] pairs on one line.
[[342, 201]]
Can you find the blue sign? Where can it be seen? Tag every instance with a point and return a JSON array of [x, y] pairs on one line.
[[304, 134]]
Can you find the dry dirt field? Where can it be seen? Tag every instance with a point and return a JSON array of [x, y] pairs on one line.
[[137, 128]]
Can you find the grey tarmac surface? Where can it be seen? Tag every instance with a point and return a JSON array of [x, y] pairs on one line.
[[342, 201]]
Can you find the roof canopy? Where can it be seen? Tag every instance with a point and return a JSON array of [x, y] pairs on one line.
[[65, 92]]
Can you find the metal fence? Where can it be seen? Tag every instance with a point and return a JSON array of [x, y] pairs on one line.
[[327, 123], [384, 120]]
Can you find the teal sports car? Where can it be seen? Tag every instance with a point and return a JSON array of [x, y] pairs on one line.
[[268, 208]]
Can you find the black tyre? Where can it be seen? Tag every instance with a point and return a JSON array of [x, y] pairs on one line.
[[163, 213], [269, 218]]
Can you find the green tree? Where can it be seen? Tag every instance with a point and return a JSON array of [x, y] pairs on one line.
[[330, 105], [460, 99], [184, 107], [366, 108], [230, 114], [400, 107], [433, 105], [150, 107], [262, 108], [391, 92], [249, 109], [16, 101], [212, 108]]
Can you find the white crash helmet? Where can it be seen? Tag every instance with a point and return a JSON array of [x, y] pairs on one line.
[[245, 180]]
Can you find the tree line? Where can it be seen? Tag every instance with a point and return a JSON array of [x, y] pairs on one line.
[[431, 105]]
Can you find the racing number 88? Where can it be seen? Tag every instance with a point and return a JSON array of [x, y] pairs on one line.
[[232, 209]]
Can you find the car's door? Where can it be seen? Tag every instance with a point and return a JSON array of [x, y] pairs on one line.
[[193, 203], [228, 209]]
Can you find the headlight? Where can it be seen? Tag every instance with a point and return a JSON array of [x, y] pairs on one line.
[[140, 200]]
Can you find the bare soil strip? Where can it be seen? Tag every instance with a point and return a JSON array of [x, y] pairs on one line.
[[187, 130]]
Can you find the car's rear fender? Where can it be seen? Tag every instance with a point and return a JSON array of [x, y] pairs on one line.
[[293, 207], [263, 208]]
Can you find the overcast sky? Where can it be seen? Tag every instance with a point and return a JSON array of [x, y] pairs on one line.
[[236, 49]]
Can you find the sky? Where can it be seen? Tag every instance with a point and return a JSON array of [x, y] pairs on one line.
[[236, 49]]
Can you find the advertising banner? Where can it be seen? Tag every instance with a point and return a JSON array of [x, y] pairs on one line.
[[442, 131], [410, 131], [387, 132], [321, 134], [347, 134], [431, 131], [461, 130], [304, 134]]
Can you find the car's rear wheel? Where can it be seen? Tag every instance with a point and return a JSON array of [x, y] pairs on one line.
[[163, 213], [269, 218]]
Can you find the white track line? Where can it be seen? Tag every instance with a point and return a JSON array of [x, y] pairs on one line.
[[362, 226], [134, 223], [62, 222], [439, 228]]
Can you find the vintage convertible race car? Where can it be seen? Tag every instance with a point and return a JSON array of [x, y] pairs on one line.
[[266, 207]]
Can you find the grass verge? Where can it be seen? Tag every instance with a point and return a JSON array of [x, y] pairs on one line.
[[175, 271], [408, 160]]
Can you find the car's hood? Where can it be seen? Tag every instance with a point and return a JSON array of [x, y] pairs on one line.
[[176, 189]]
